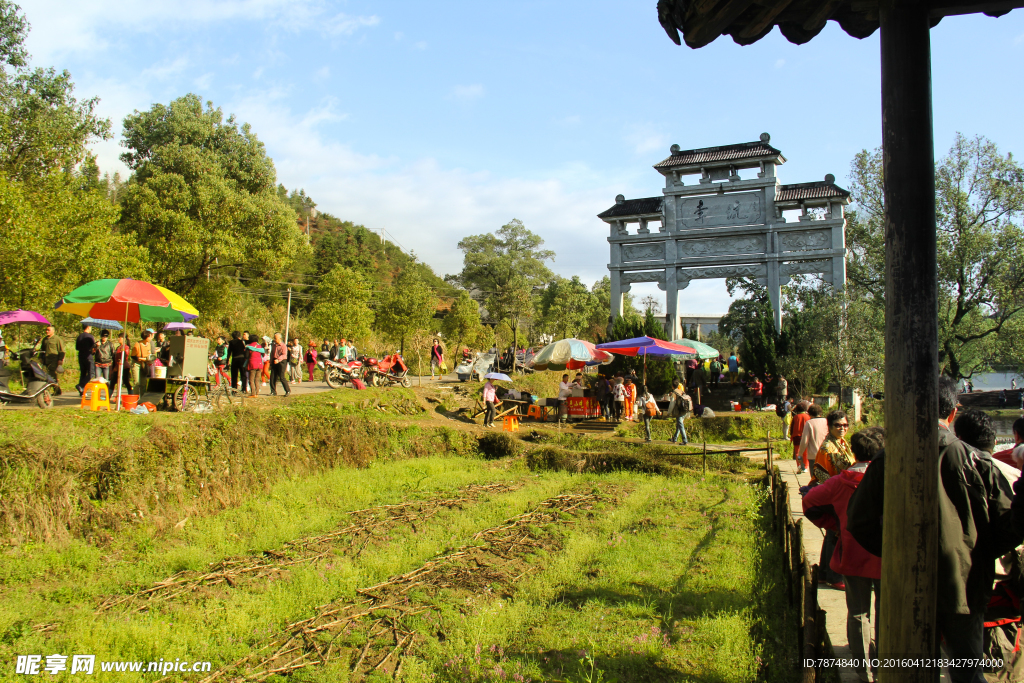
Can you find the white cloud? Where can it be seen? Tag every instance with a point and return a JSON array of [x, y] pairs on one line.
[[569, 120], [60, 27], [165, 70], [646, 138], [467, 93], [323, 73], [420, 45], [427, 207], [343, 24], [204, 81], [779, 63], [399, 35]]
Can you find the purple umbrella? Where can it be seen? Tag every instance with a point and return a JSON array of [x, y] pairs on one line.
[[24, 317], [171, 327]]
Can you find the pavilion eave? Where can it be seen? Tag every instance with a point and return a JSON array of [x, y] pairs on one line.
[[747, 21]]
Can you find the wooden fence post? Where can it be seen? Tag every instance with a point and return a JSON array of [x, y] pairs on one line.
[[704, 458], [811, 626]]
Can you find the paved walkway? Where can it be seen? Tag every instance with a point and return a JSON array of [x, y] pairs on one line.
[[831, 600]]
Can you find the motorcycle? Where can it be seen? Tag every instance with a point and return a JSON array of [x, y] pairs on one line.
[[39, 384], [337, 372], [389, 370]]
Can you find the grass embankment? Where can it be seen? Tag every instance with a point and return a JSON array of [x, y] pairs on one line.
[[85, 475]]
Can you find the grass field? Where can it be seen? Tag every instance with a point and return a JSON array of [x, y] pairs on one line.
[[383, 545]]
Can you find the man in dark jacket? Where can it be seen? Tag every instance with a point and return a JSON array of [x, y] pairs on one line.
[[239, 359], [85, 344], [975, 528]]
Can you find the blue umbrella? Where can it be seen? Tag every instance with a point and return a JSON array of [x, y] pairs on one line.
[[102, 324], [498, 375]]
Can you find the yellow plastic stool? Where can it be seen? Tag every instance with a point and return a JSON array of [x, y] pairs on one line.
[[96, 395], [511, 423]]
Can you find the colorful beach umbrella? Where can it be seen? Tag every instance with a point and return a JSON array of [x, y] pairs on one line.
[[22, 317], [569, 354], [128, 300], [646, 346], [701, 349], [171, 327]]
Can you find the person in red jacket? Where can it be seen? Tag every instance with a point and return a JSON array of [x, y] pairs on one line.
[[796, 431], [825, 506]]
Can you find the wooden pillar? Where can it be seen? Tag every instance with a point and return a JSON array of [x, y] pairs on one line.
[[910, 525]]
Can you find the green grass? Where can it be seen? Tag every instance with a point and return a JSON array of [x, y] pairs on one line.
[[669, 582], [673, 578], [672, 585], [45, 586]]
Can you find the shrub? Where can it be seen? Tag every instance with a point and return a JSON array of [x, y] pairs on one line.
[[499, 445]]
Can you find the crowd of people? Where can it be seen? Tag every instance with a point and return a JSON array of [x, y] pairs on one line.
[[246, 360], [981, 522]]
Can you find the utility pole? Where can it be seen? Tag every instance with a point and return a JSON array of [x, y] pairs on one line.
[[288, 318]]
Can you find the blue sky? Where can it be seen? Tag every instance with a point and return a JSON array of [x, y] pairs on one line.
[[440, 120]]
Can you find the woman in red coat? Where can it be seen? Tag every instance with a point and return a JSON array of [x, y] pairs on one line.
[[825, 506]]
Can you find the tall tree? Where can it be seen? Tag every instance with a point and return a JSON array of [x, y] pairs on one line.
[[503, 268], [406, 307], [567, 307], [343, 306], [58, 224], [462, 320], [512, 304], [979, 200], [203, 197], [492, 260]]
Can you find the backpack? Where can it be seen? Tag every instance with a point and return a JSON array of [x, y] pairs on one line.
[[650, 408]]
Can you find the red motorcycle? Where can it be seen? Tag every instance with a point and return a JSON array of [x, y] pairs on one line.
[[337, 372], [388, 370]]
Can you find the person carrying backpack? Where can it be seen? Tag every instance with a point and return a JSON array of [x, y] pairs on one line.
[[680, 408], [649, 410]]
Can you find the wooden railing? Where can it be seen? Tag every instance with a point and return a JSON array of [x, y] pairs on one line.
[[802, 579]]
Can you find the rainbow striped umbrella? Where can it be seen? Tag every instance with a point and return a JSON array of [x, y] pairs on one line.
[[128, 300], [132, 301]]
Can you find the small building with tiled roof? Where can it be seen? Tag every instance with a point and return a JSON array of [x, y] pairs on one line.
[[722, 214]]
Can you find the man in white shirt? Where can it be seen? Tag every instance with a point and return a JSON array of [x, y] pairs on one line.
[[564, 392]]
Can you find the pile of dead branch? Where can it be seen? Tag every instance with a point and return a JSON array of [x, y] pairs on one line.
[[349, 539], [496, 558]]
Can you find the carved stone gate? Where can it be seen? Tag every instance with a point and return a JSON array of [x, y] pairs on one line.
[[726, 226]]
